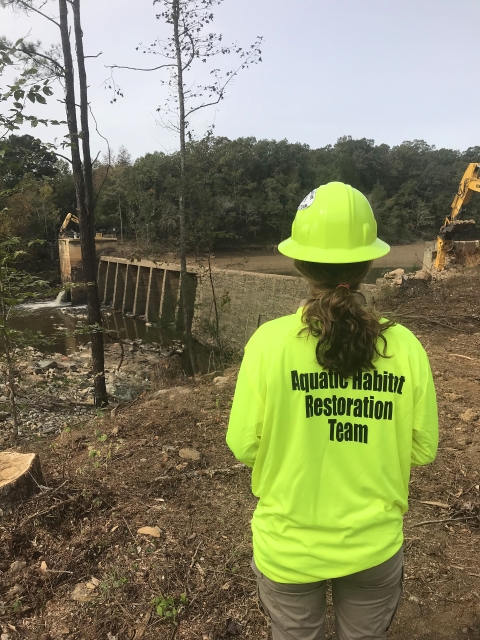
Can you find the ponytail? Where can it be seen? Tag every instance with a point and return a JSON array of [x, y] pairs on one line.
[[335, 313]]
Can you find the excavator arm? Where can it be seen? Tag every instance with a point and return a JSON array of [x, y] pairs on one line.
[[70, 217], [469, 183]]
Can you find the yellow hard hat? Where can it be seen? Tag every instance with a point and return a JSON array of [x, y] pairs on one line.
[[334, 224]]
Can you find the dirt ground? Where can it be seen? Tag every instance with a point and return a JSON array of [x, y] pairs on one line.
[[404, 256], [123, 471], [262, 261]]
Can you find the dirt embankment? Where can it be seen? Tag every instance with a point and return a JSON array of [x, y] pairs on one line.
[[162, 462]]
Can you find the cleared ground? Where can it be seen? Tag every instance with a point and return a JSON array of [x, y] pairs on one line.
[[124, 471], [405, 256]]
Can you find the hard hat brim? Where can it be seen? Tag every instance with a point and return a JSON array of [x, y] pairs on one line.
[[293, 249]]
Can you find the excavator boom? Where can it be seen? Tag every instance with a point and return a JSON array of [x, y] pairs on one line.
[[70, 217]]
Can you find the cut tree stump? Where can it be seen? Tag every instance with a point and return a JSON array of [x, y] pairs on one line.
[[20, 475]]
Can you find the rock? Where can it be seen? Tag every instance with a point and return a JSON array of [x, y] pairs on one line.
[[5, 636], [18, 566], [20, 476], [233, 628], [150, 531], [423, 274], [393, 275], [220, 380], [469, 415], [182, 391], [190, 454], [168, 448], [82, 593], [452, 397], [160, 394], [45, 365], [48, 430], [3, 416], [210, 376], [126, 386]]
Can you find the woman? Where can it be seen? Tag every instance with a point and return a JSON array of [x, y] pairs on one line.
[[332, 408]]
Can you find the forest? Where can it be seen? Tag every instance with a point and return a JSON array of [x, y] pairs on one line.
[[239, 193]]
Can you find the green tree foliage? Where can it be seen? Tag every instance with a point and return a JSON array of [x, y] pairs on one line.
[[239, 192], [247, 190], [22, 155], [31, 181]]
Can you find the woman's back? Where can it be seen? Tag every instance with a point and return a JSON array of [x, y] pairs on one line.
[[331, 456], [332, 408]]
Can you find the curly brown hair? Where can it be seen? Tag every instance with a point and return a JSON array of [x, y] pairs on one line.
[[347, 330]]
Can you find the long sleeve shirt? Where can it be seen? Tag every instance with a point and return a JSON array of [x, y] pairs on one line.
[[331, 457]]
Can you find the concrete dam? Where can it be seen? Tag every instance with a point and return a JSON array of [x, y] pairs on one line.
[[244, 300], [241, 300]]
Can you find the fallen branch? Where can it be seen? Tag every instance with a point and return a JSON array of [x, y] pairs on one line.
[[42, 513], [201, 473], [419, 524]]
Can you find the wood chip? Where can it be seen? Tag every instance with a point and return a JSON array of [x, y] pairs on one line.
[[150, 531]]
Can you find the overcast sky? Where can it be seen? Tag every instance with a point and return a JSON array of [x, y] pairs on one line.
[[391, 70]]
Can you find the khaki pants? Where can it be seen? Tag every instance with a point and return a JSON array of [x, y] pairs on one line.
[[365, 604]]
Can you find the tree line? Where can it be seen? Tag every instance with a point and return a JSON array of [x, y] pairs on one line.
[[238, 193]]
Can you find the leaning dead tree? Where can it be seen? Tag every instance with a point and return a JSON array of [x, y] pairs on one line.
[[81, 160]]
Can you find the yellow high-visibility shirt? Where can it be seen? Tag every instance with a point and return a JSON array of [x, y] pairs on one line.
[[331, 457]]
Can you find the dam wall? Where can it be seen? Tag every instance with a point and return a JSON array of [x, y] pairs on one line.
[[241, 300]]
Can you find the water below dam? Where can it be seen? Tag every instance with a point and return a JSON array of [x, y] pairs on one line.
[[60, 323]]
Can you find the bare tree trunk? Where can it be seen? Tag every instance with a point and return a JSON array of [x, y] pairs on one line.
[[181, 196], [84, 191]]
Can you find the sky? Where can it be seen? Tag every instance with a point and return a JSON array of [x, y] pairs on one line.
[[388, 70]]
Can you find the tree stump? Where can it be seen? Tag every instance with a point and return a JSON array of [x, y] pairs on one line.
[[20, 475]]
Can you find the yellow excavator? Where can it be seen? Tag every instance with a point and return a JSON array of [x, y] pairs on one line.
[[70, 217], [468, 184]]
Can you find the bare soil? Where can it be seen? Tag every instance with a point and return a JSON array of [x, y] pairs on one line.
[[263, 261], [405, 256], [124, 470]]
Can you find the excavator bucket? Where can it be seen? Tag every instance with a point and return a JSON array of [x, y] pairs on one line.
[[448, 231]]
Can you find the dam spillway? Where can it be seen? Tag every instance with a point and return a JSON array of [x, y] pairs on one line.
[[146, 289]]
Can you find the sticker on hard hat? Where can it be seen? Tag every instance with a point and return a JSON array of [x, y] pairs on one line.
[[308, 200]]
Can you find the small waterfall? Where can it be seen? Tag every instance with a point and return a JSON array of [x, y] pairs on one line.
[[61, 299]]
